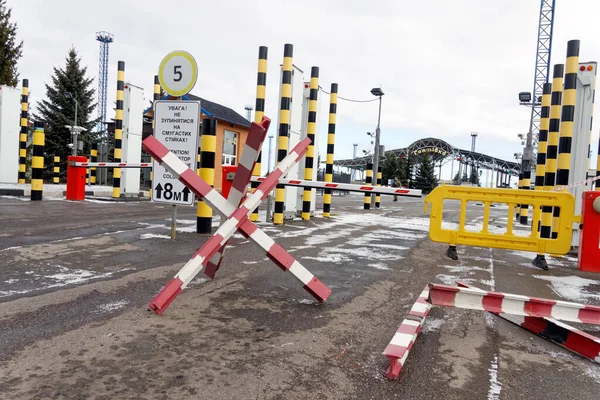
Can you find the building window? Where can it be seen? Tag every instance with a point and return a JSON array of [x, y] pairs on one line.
[[230, 141]]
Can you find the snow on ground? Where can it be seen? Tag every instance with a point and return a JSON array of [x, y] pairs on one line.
[[572, 288], [153, 236], [109, 307], [63, 277]]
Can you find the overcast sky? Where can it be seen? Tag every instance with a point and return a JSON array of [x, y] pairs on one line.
[[447, 68]]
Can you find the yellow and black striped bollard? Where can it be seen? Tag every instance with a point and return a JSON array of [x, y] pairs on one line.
[[377, 196], [310, 133], [330, 148], [207, 172], [567, 116], [118, 129], [56, 170], [37, 161], [259, 112], [23, 134], [284, 127], [93, 158], [368, 182], [552, 150], [519, 186], [540, 168]]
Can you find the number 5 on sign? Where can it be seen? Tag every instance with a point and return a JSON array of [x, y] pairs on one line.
[[177, 73]]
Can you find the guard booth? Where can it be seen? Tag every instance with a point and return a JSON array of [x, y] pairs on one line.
[[131, 153], [297, 132], [582, 137], [10, 114]]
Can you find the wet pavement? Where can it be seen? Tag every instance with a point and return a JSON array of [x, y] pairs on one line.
[[76, 278]]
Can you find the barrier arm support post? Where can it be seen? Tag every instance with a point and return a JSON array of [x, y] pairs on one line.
[[333, 96], [310, 133], [259, 112], [540, 168]]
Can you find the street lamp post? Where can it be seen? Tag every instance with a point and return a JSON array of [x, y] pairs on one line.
[[525, 99], [379, 93], [74, 132]]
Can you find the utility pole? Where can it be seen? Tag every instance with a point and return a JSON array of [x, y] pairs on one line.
[[269, 160], [379, 93], [473, 141], [353, 157], [74, 131]]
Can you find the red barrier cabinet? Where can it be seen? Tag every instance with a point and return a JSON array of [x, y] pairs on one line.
[[589, 241], [75, 179], [227, 180]]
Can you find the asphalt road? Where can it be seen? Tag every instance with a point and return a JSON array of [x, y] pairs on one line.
[[76, 278]]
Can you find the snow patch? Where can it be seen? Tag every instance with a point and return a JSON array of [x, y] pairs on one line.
[[109, 307], [495, 385], [432, 324], [380, 266], [572, 288], [198, 281], [153, 236]]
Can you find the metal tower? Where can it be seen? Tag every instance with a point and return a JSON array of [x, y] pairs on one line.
[[542, 71], [248, 109], [105, 39]]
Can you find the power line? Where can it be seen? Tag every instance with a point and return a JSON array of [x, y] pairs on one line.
[[352, 100]]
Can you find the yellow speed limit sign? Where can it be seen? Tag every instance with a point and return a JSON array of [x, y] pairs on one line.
[[177, 73]]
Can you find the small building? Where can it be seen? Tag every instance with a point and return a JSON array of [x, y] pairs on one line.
[[232, 131]]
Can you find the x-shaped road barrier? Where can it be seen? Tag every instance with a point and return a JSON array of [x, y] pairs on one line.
[[239, 187], [237, 219], [534, 314]]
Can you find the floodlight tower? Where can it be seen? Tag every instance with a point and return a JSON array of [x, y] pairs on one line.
[[105, 39], [248, 109]]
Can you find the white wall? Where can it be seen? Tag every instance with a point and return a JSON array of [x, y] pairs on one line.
[[133, 108], [10, 129]]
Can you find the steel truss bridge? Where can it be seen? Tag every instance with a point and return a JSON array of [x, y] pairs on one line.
[[441, 152]]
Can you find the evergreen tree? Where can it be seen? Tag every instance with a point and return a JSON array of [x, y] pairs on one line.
[[389, 169], [455, 179], [425, 178], [402, 174], [10, 50], [58, 111], [474, 176]]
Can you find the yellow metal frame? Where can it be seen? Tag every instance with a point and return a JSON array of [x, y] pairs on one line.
[[507, 240]]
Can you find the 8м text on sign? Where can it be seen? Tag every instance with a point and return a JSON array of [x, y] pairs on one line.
[[176, 125]]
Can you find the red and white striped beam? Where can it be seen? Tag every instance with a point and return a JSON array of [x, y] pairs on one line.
[[557, 332], [237, 219], [239, 187], [406, 335], [496, 302], [109, 165], [347, 186]]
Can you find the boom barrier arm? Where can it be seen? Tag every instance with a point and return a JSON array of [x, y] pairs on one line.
[[347, 186], [109, 164], [506, 240]]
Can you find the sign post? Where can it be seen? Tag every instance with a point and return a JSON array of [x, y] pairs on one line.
[[177, 126]]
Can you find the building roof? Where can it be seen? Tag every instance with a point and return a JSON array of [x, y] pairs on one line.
[[218, 111], [211, 109]]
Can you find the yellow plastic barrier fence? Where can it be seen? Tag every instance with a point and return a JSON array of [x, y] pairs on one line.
[[506, 240]]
